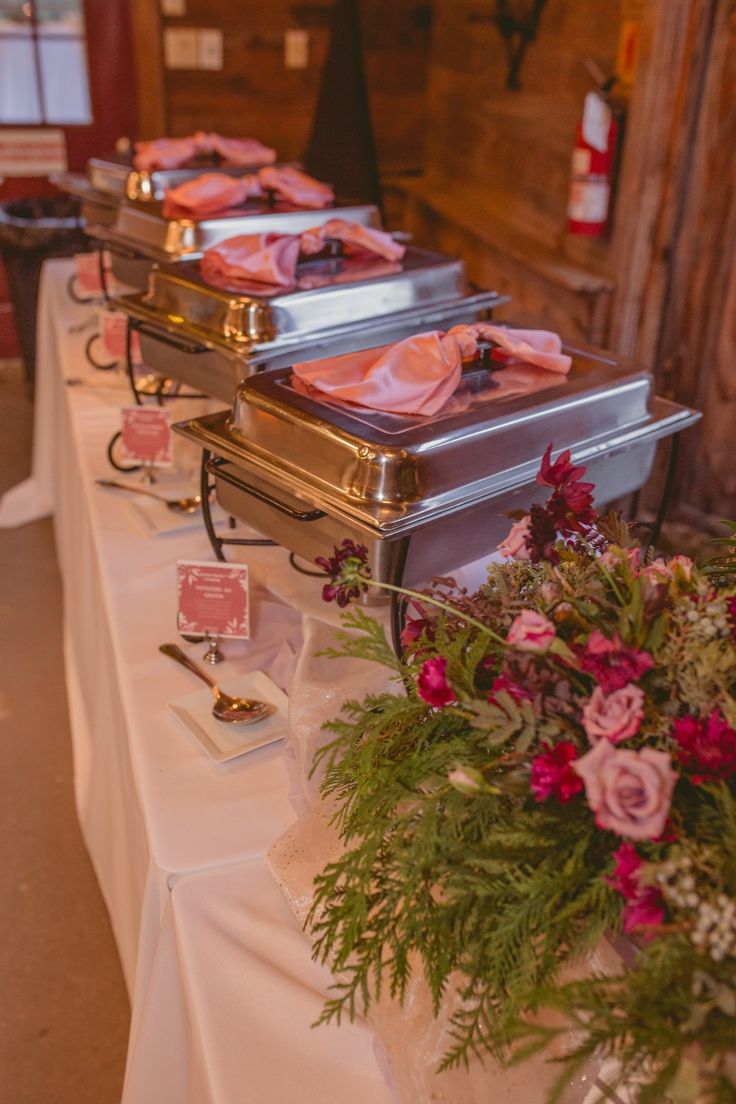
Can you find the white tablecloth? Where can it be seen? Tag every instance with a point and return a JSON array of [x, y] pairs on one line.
[[154, 810]]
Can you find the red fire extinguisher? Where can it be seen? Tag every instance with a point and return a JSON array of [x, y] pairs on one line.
[[593, 164]]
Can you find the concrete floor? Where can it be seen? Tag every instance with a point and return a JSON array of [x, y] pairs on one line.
[[63, 1011]]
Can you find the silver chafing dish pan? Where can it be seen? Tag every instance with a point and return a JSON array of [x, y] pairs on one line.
[[109, 180], [212, 339], [141, 236], [425, 494]]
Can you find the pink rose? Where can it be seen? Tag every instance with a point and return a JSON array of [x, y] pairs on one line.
[[615, 716], [678, 568], [631, 556], [629, 791], [466, 780], [531, 632], [515, 545]]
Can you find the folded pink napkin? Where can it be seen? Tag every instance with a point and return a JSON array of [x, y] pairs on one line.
[[356, 238], [273, 258], [165, 153], [420, 374], [296, 187], [248, 152], [172, 153], [416, 376], [209, 194], [540, 347], [266, 258]]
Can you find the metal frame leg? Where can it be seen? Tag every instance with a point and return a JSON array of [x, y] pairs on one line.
[[205, 489], [664, 502], [398, 601]]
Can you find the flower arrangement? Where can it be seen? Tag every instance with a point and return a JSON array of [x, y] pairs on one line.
[[556, 767]]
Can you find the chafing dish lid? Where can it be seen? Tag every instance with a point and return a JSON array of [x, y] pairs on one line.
[[392, 472], [117, 177], [328, 294]]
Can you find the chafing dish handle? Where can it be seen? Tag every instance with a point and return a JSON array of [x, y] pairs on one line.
[[166, 338], [215, 467]]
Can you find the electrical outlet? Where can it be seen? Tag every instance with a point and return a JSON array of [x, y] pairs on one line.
[[210, 49], [296, 49], [181, 48]]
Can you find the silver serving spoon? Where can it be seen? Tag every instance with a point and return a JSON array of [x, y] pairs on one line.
[[177, 505], [227, 708]]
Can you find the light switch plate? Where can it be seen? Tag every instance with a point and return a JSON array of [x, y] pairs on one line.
[[210, 49], [181, 48], [173, 7], [296, 49]]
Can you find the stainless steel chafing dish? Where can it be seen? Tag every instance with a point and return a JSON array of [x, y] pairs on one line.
[[212, 339], [109, 180], [141, 236], [425, 494]]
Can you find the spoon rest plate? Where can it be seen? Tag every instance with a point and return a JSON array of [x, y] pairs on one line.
[[222, 742]]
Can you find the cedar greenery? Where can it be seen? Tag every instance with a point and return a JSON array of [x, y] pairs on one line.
[[504, 891]]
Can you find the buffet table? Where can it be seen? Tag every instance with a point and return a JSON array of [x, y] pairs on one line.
[[222, 987]]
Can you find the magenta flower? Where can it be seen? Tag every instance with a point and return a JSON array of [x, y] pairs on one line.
[[644, 907], [553, 775], [706, 747], [611, 663], [630, 792], [348, 569], [503, 684], [432, 683], [560, 472]]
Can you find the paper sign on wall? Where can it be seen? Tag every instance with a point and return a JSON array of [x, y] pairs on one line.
[[114, 336], [146, 435], [37, 151], [213, 599]]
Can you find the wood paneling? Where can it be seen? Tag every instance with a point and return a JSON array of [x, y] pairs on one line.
[[255, 94]]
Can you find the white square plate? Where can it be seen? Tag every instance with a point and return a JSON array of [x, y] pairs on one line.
[[226, 741]]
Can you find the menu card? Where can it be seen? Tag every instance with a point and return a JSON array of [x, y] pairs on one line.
[[113, 336], [87, 272], [146, 436], [213, 599]]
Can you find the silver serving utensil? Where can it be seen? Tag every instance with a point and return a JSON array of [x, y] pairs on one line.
[[227, 708], [176, 505]]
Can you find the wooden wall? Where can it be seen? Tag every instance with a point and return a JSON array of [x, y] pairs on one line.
[[255, 94]]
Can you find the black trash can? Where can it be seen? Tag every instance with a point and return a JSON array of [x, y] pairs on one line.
[[31, 230]]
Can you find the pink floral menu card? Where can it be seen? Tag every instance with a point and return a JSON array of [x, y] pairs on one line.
[[114, 336], [213, 599], [146, 435]]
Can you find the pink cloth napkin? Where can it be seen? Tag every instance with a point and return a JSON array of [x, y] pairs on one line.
[[267, 258], [296, 187], [247, 152], [416, 376], [172, 153], [209, 194], [272, 258], [420, 374], [539, 347], [165, 153], [356, 238]]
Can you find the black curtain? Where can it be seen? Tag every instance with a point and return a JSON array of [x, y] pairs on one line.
[[341, 149]]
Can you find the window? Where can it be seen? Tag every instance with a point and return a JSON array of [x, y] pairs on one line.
[[43, 62]]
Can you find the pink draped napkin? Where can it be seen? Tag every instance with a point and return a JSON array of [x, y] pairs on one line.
[[420, 374], [165, 153], [296, 187], [272, 258], [266, 258], [212, 193], [246, 152], [356, 239], [172, 153], [209, 194]]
